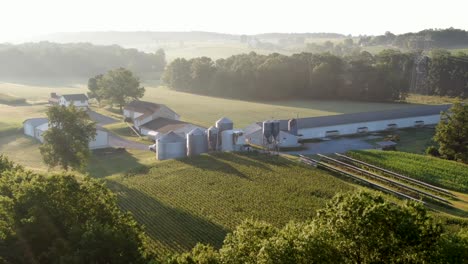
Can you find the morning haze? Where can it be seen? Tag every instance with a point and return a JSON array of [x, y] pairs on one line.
[[233, 131]]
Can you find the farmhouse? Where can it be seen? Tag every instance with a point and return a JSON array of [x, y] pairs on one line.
[[349, 124], [35, 127], [78, 100]]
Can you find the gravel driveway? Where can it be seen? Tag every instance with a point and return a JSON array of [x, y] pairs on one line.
[[114, 140]]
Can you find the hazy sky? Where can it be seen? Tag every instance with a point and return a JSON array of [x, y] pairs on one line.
[[23, 18]]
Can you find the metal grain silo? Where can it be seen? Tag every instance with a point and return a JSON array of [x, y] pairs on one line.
[[275, 129], [170, 146], [197, 142], [267, 130], [222, 125], [292, 126], [212, 134], [232, 140]]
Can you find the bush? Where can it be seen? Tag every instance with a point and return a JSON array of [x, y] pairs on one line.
[[432, 151]]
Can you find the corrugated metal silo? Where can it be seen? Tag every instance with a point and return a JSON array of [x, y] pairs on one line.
[[197, 142], [292, 126], [275, 129], [267, 130], [232, 140], [212, 134], [222, 125], [170, 146]]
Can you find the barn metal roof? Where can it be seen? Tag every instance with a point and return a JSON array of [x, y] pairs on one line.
[[324, 121], [35, 122], [164, 125], [75, 97]]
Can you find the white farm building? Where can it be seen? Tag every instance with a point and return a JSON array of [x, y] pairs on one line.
[[151, 119], [35, 127], [349, 124], [78, 100]]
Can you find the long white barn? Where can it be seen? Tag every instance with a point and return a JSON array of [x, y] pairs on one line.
[[349, 124]]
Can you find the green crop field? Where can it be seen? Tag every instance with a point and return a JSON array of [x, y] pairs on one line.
[[444, 173], [199, 199]]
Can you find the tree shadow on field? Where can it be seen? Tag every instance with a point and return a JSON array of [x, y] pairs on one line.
[[211, 162], [108, 161], [174, 228]]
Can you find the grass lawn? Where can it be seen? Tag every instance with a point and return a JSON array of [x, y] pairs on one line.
[[199, 199], [11, 100], [413, 140]]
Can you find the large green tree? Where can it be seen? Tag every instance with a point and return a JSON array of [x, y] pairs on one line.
[[119, 86], [94, 89], [66, 142], [59, 219], [452, 133]]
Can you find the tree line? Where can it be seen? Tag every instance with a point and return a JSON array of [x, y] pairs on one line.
[[59, 219], [77, 60], [428, 38], [305, 75], [386, 76]]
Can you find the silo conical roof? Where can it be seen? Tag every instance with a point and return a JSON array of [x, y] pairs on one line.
[[171, 136], [224, 120], [196, 131]]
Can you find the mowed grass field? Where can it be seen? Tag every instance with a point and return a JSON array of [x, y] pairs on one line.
[[205, 110], [200, 199]]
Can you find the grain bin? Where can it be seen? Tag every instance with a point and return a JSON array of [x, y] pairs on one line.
[[292, 126], [275, 129], [267, 130], [222, 125], [197, 142], [232, 140], [170, 146], [212, 134]]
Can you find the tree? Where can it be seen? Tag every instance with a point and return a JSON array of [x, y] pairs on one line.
[[120, 85], [452, 133], [59, 219], [66, 142], [94, 88]]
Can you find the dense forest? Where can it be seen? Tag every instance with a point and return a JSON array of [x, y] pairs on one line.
[[428, 38], [387, 76], [52, 60]]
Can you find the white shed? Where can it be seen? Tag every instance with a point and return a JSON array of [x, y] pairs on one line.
[[254, 135], [29, 125]]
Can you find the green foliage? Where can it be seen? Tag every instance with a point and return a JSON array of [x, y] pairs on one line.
[[66, 142], [73, 60], [118, 86], [436, 171], [362, 76], [58, 219], [432, 151], [353, 228], [452, 133], [93, 87]]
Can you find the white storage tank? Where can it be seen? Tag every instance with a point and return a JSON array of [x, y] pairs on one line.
[[170, 146], [232, 140], [197, 142], [267, 130], [292, 126], [275, 129]]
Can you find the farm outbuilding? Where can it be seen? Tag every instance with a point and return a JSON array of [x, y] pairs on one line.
[[142, 112], [254, 135], [358, 123], [35, 127], [163, 125], [31, 124]]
